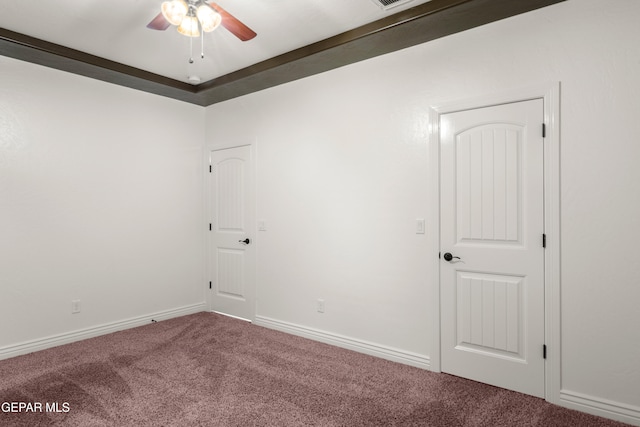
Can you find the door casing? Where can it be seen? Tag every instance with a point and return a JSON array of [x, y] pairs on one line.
[[550, 94]]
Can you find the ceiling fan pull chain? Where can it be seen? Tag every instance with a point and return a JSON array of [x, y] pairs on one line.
[[202, 44], [191, 51]]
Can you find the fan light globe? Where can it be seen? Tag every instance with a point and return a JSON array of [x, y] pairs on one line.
[[174, 11], [209, 18], [189, 27]]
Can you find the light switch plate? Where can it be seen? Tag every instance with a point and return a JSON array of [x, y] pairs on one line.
[[419, 226]]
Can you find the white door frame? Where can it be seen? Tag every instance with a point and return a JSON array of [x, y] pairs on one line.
[[208, 214], [550, 93]]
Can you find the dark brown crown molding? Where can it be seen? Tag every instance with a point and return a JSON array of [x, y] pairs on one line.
[[420, 24]]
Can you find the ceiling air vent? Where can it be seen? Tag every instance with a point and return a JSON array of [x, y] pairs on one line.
[[388, 4]]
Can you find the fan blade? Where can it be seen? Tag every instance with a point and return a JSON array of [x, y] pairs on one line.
[[232, 24], [159, 23]]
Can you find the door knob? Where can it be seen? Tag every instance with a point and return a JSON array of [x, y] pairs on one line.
[[448, 257], [245, 241]]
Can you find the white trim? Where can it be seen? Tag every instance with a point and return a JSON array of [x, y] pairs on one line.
[[383, 352], [552, 252], [434, 265], [526, 93], [550, 93], [107, 328], [601, 407]]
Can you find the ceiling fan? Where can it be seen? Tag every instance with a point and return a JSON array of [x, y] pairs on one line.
[[192, 15]]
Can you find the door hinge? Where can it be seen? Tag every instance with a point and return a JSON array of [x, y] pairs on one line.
[[544, 130], [209, 168], [544, 351], [439, 254], [209, 284], [209, 226], [544, 240]]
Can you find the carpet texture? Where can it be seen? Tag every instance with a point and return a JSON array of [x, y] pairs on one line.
[[210, 370]]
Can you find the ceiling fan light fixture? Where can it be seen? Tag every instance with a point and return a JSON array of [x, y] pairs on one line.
[[189, 27], [174, 11], [209, 18]]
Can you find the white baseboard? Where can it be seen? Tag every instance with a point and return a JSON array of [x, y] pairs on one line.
[[601, 407], [82, 334], [360, 346], [231, 315]]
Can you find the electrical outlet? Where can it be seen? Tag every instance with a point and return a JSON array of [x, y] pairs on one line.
[[75, 306], [320, 305]]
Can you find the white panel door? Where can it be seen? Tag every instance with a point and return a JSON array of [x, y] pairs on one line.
[[232, 250], [492, 255]]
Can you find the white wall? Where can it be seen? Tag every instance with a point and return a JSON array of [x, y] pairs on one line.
[[342, 176], [100, 200]]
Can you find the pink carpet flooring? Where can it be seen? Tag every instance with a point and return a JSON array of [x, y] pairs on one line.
[[210, 370]]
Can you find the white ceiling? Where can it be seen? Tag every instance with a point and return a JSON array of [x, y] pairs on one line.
[[116, 30]]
